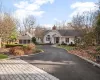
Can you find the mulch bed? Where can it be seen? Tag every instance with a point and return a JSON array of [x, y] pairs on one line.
[[84, 52], [4, 50]]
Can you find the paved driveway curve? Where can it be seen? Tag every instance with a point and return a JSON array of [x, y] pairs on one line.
[[63, 65]]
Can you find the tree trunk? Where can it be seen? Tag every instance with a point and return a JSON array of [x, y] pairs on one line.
[[0, 42]]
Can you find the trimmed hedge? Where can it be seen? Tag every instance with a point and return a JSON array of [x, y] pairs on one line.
[[13, 45]]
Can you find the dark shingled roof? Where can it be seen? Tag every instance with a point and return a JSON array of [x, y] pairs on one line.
[[47, 31], [70, 32], [67, 32], [24, 37]]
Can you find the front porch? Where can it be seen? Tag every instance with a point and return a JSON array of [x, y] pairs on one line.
[[62, 40]]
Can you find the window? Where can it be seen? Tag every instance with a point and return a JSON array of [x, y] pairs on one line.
[[20, 41], [24, 41], [28, 41], [48, 38], [67, 40]]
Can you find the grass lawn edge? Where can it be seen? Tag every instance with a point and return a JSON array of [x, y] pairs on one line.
[[3, 56]]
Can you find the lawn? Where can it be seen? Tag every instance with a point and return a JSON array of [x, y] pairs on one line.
[[68, 48], [2, 56]]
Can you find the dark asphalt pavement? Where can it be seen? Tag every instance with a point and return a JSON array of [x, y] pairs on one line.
[[63, 65]]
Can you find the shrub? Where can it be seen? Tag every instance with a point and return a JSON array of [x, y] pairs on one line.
[[81, 46], [21, 50], [98, 51], [29, 49], [17, 51], [37, 50], [63, 43], [30, 46], [71, 44], [34, 40]]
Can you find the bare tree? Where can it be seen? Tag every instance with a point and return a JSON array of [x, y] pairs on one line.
[[39, 32], [61, 25], [7, 26], [83, 22], [29, 23]]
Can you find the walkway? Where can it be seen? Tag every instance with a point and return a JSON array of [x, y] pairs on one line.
[[21, 70]]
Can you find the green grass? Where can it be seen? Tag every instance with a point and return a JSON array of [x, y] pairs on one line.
[[68, 48], [2, 56]]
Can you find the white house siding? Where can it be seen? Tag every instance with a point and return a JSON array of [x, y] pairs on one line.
[[56, 33], [71, 39], [63, 39], [38, 40]]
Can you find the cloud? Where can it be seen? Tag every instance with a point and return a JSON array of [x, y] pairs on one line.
[[30, 7], [40, 2], [80, 7], [57, 20], [48, 26]]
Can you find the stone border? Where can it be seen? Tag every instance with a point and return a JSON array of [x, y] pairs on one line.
[[90, 61], [22, 56]]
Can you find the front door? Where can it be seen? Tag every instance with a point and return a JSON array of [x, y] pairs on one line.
[[57, 39]]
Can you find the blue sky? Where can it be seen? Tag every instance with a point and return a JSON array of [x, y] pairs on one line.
[[48, 12]]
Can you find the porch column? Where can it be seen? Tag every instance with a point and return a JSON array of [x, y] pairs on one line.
[[60, 40], [54, 40]]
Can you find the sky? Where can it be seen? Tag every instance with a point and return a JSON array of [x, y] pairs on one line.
[[48, 12]]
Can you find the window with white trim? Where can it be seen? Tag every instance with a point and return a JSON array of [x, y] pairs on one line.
[[48, 38], [67, 40]]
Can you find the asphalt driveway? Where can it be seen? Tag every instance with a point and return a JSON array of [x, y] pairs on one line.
[[63, 65]]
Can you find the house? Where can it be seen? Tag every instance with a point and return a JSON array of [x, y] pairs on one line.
[[55, 36], [25, 38]]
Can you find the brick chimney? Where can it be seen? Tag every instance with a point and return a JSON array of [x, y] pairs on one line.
[[54, 27]]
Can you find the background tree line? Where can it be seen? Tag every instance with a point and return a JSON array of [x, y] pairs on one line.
[[89, 25]]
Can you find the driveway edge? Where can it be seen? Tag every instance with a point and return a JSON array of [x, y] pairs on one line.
[[90, 61], [94, 63], [21, 56]]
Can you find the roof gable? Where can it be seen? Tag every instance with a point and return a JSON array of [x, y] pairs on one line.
[[54, 31]]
